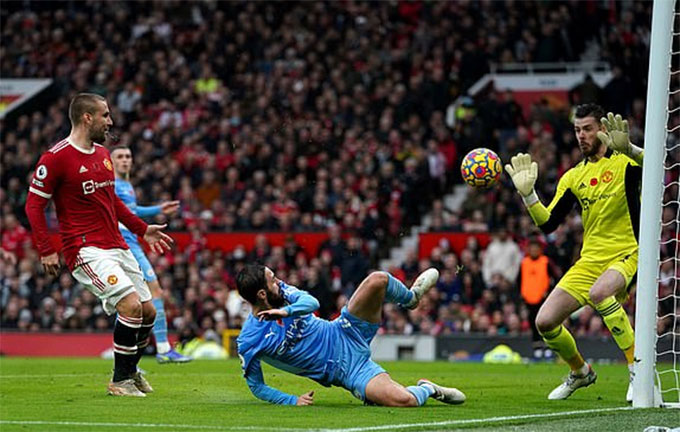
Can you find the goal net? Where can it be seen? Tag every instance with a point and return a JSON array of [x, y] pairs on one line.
[[657, 369]]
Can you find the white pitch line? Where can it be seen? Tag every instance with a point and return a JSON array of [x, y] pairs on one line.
[[356, 429], [475, 421], [74, 375], [167, 426]]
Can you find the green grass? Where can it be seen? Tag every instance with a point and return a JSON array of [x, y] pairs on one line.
[[70, 395]]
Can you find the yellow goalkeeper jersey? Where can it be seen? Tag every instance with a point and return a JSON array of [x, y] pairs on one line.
[[608, 192]]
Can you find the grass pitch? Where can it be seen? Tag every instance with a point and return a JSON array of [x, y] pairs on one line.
[[59, 394]]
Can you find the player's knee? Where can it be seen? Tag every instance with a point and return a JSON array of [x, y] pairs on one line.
[[130, 306], [597, 296], [149, 314], [544, 324], [378, 279]]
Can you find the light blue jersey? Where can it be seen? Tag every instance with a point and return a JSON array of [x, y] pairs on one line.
[[329, 352], [127, 194]]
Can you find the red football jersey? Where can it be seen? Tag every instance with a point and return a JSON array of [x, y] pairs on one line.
[[81, 184]]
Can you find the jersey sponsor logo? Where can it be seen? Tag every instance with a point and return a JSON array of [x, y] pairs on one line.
[[112, 279], [90, 186], [82, 169], [593, 181], [41, 172], [107, 164], [38, 183], [607, 176]]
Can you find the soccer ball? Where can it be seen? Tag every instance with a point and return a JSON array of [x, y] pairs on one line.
[[481, 168]]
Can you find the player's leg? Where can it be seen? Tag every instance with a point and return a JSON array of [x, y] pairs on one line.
[[556, 308], [99, 272], [148, 318], [604, 296], [366, 302], [384, 391]]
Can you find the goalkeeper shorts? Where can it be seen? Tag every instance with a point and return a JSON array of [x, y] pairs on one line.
[[583, 274]]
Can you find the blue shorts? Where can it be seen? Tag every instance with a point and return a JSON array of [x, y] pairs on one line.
[[142, 260], [355, 336]]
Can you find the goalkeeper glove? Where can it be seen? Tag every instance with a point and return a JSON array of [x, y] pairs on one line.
[[616, 137], [524, 172]]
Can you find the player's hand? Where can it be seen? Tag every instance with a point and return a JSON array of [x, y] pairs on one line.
[[8, 256], [51, 264], [157, 239], [523, 172], [169, 207], [272, 314], [616, 137], [306, 399]]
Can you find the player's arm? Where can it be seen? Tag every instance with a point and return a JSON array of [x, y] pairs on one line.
[[524, 173], [299, 303], [152, 234], [166, 208], [616, 137], [262, 391], [44, 181]]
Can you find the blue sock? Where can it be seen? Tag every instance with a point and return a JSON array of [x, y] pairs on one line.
[[421, 392], [160, 326], [397, 292]]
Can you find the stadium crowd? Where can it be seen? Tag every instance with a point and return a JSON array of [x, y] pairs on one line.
[[311, 117]]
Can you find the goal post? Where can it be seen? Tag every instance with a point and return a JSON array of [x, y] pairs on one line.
[[656, 132]]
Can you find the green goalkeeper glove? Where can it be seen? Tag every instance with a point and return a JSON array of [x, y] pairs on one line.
[[524, 172], [616, 137]]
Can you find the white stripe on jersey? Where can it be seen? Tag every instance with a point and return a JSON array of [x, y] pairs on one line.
[[39, 193], [58, 146]]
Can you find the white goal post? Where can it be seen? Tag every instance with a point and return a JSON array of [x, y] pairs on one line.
[[659, 141]]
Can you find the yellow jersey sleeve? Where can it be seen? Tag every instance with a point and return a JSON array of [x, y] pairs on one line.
[[548, 219]]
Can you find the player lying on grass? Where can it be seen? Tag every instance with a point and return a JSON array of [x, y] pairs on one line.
[[283, 332], [606, 185]]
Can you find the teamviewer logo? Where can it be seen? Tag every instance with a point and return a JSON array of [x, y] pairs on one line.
[[88, 187]]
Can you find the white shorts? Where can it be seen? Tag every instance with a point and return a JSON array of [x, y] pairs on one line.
[[110, 274]]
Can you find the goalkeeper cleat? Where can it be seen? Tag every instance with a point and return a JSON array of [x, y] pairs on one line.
[[124, 388], [172, 356], [423, 283], [141, 383], [448, 395], [572, 383]]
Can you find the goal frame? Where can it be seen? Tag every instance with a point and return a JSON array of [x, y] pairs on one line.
[[656, 121]]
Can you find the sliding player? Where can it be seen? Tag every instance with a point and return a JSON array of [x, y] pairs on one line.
[[122, 165], [283, 332], [606, 185]]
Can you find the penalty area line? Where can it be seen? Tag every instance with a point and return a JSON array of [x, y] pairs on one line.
[[478, 420]]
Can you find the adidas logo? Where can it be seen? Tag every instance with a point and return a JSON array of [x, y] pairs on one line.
[[82, 169], [583, 185]]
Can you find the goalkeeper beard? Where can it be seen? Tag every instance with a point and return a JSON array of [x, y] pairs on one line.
[[590, 150]]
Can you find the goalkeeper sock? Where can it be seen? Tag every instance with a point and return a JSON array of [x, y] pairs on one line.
[[397, 292], [160, 327], [562, 342], [616, 320], [125, 347], [421, 392]]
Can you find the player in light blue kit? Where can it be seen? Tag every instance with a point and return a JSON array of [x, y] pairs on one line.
[[122, 165], [283, 332]]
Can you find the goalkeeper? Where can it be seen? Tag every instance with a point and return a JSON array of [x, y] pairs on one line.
[[606, 185]]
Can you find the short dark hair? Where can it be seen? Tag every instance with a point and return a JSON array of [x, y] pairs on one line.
[[589, 110], [119, 147], [250, 280], [83, 103]]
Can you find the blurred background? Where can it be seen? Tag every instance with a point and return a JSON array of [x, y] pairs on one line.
[[323, 140]]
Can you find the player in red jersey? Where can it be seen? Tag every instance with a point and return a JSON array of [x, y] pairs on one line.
[[77, 174]]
